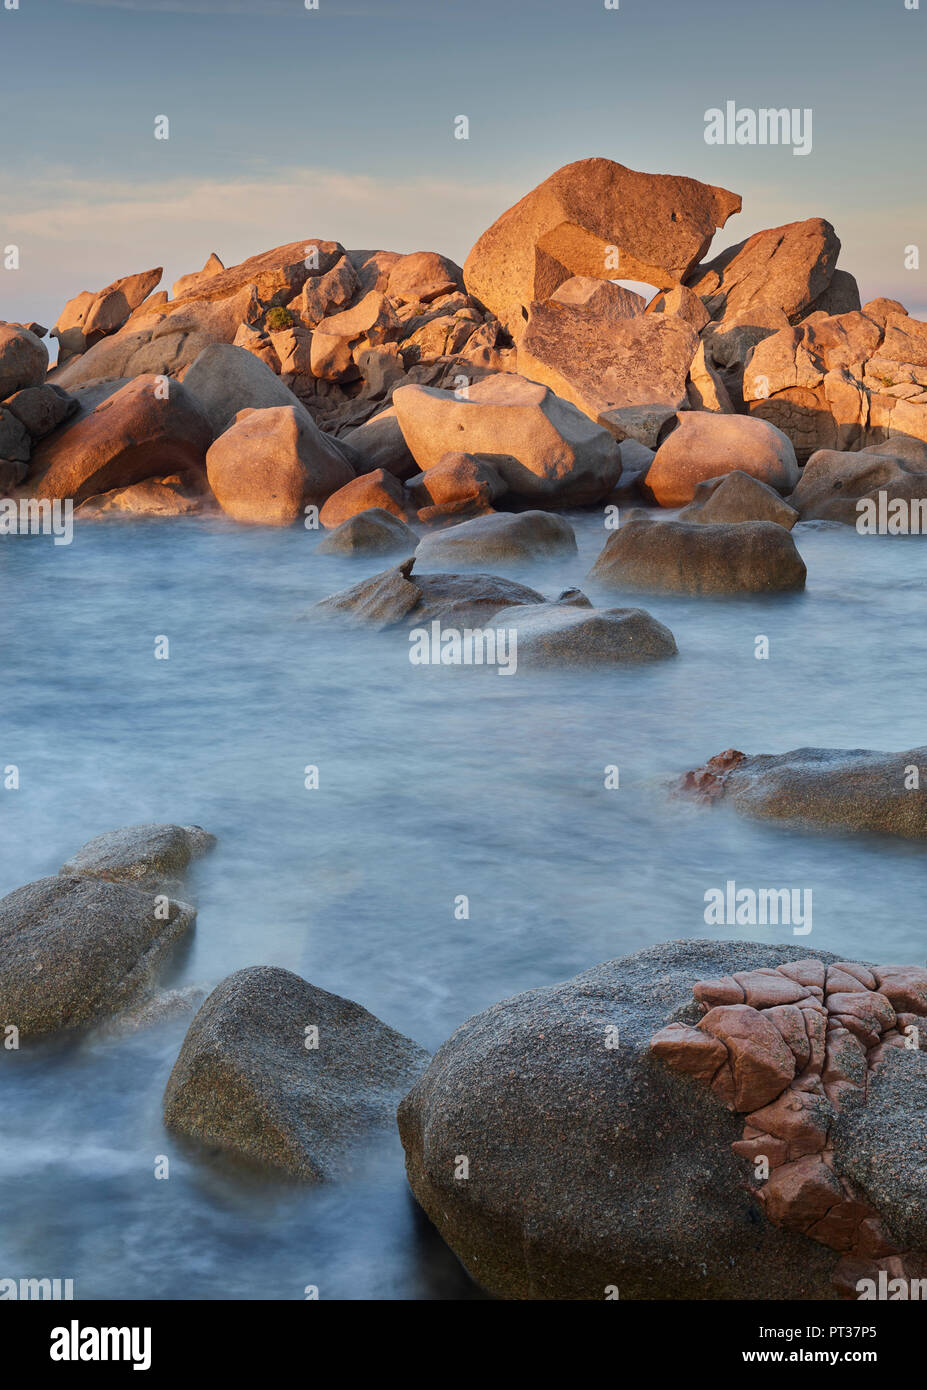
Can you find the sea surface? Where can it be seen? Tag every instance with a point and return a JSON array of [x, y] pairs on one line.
[[434, 782]]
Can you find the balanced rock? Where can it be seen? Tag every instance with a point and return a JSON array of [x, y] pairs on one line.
[[502, 538], [684, 557], [247, 1083], [856, 789], [705, 445], [543, 448], [422, 277], [76, 949], [271, 464], [594, 218]]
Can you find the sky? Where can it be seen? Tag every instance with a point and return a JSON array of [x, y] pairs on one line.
[[338, 123]]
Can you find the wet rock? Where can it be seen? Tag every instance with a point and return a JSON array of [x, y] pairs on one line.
[[137, 432], [147, 856], [576, 221], [855, 789], [246, 1083], [593, 1165], [76, 949], [571, 632], [543, 448], [706, 445], [503, 538], [750, 557], [396, 596], [271, 464], [373, 532], [737, 497]]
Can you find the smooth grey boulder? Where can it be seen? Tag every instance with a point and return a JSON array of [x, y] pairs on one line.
[[834, 481], [226, 379], [738, 497], [74, 950], [501, 538], [685, 557], [857, 789], [153, 857], [573, 633], [397, 596], [246, 1083], [373, 532], [592, 1166]]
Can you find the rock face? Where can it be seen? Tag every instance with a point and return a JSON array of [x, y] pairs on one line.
[[246, 1082], [854, 789], [683, 557], [271, 464], [705, 445], [784, 268], [88, 318], [75, 949], [833, 482], [373, 532], [627, 374], [738, 497], [595, 218], [23, 359], [148, 856], [135, 433], [543, 448], [395, 596], [789, 1048], [503, 538], [594, 1166], [560, 634]]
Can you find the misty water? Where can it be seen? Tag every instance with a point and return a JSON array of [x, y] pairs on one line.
[[434, 782]]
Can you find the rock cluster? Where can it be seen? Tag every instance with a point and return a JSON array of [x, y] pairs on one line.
[[789, 1047]]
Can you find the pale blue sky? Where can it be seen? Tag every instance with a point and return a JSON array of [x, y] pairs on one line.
[[288, 123]]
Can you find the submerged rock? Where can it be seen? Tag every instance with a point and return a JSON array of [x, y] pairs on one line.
[[686, 557], [248, 1083], [396, 596], [593, 1166], [75, 949], [371, 532], [148, 856], [853, 788], [571, 632]]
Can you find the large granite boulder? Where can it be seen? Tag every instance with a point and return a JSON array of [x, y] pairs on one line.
[[568, 634], [76, 949], [855, 789], [271, 464], [628, 374], [834, 482], [544, 448], [595, 1170], [226, 379], [283, 1076], [141, 430], [23, 359], [595, 218], [377, 489], [684, 557], [705, 445], [784, 268], [738, 497]]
